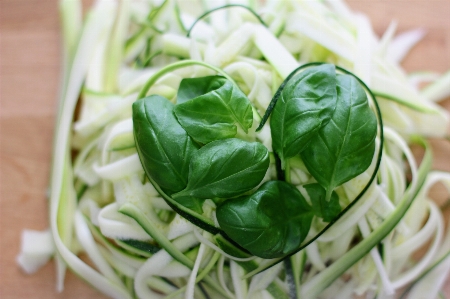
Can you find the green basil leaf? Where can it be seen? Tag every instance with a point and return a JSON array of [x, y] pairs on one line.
[[192, 203], [226, 168], [344, 148], [327, 210], [270, 223], [306, 103], [211, 108], [191, 88], [163, 145]]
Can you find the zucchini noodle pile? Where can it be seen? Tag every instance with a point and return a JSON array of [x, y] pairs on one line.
[[103, 206]]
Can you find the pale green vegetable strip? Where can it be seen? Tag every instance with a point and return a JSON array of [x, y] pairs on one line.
[[119, 169], [177, 45], [71, 23], [312, 251], [438, 90], [116, 225], [386, 38], [239, 284], [90, 33], [318, 29], [414, 272], [115, 45], [36, 250], [430, 281], [403, 43], [275, 53], [388, 288], [382, 84], [174, 270], [156, 263], [365, 44], [418, 240], [208, 243], [200, 276], [119, 254], [262, 280], [189, 294], [132, 211], [87, 241]]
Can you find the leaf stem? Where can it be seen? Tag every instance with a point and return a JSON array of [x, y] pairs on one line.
[[287, 171]]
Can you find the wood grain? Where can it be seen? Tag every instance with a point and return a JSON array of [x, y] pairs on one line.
[[29, 77]]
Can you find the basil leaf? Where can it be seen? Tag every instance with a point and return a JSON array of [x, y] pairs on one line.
[[327, 210], [270, 223], [226, 168], [344, 148], [192, 203], [163, 145], [214, 109], [191, 88], [306, 103]]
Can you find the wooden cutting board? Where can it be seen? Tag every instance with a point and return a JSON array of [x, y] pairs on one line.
[[30, 65]]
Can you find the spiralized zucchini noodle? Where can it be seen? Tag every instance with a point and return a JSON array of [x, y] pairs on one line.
[[141, 244]]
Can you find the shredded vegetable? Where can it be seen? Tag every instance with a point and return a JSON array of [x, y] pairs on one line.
[[248, 150]]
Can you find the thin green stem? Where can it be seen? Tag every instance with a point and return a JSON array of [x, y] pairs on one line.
[[224, 7], [175, 66]]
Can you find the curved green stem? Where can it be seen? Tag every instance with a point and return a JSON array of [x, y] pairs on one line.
[[224, 7], [174, 66]]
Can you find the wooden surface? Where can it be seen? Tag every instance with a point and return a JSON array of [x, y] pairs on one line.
[[29, 85]]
